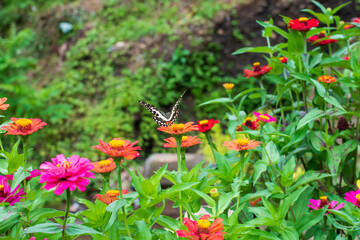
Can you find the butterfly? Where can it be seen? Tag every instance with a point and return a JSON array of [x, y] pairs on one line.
[[161, 118]]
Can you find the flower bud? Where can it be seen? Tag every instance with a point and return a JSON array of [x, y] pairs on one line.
[[214, 194]]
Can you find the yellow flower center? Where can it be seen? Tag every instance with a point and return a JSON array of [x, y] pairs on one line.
[[358, 197], [242, 142], [323, 198], [65, 164], [184, 138], [247, 119], [228, 86], [104, 163], [322, 32], [203, 224], [112, 193], [281, 58], [204, 122], [177, 127], [1, 187], [256, 64], [116, 144], [24, 123], [263, 117], [358, 183], [303, 19]]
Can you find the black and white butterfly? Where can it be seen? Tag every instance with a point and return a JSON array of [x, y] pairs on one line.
[[161, 118]]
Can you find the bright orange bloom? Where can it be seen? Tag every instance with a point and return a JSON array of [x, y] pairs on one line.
[[241, 144], [228, 86], [178, 129], [23, 126], [283, 59], [326, 79], [186, 141], [202, 229], [2, 105], [119, 148], [104, 166], [110, 196], [303, 24], [258, 71]]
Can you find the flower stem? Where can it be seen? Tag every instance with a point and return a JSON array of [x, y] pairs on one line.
[[25, 152], [178, 152], [241, 177], [211, 146], [68, 200], [121, 198]]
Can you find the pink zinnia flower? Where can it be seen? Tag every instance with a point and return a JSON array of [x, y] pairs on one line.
[[119, 148], [264, 117], [66, 173], [322, 202], [33, 173], [5, 192], [2, 105], [202, 229], [353, 197], [33, 238]]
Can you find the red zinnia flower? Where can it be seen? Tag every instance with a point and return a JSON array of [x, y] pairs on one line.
[[264, 117], [110, 196], [119, 148], [66, 173], [2, 105], [186, 141], [322, 202], [5, 192], [178, 129], [202, 229], [283, 59], [23, 126], [104, 166], [355, 21], [258, 71], [33, 173], [315, 39], [326, 79], [206, 125], [303, 24], [241, 144], [253, 125]]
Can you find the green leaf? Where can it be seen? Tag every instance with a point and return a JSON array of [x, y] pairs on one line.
[[260, 234], [310, 117], [254, 50], [19, 176], [114, 208], [44, 228], [79, 229], [270, 153], [295, 42], [8, 220], [260, 166], [335, 10], [275, 28], [333, 101], [338, 154], [14, 159], [168, 222], [310, 219], [224, 201], [217, 100], [143, 230], [155, 179], [44, 213], [309, 176], [288, 201], [204, 196]]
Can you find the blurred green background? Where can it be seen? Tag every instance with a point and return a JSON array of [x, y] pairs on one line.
[[82, 65]]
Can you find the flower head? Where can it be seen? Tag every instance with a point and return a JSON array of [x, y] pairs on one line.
[[264, 117], [119, 148], [66, 173], [283, 59], [228, 86], [214, 194], [33, 173], [257, 71], [23, 126], [110, 196], [6, 195], [206, 125], [326, 79], [202, 229], [104, 166], [353, 197], [241, 144], [316, 39], [178, 129], [347, 58], [303, 24], [355, 21], [33, 238], [186, 141], [2, 105], [323, 202], [253, 125]]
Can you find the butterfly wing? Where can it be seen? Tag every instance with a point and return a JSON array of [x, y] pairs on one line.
[[174, 111]]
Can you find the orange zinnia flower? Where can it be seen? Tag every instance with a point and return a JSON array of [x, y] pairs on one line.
[[326, 79], [303, 24], [258, 71], [241, 144], [2, 105], [119, 148], [186, 141], [110, 196], [178, 129], [104, 166], [23, 126], [228, 86]]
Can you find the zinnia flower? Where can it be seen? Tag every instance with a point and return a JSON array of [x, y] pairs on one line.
[[258, 71], [353, 197], [283, 59], [315, 39], [110, 196], [23, 126], [6, 195], [104, 166], [322, 202], [2, 105], [241, 144], [66, 173], [178, 129], [253, 125], [326, 79], [33, 238], [355, 21], [303, 24], [119, 148], [206, 125], [228, 86], [33, 173], [186, 141], [264, 117], [202, 229]]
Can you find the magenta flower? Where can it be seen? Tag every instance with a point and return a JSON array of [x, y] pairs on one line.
[[5, 192], [66, 173], [323, 202], [33, 173], [353, 197], [264, 117]]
